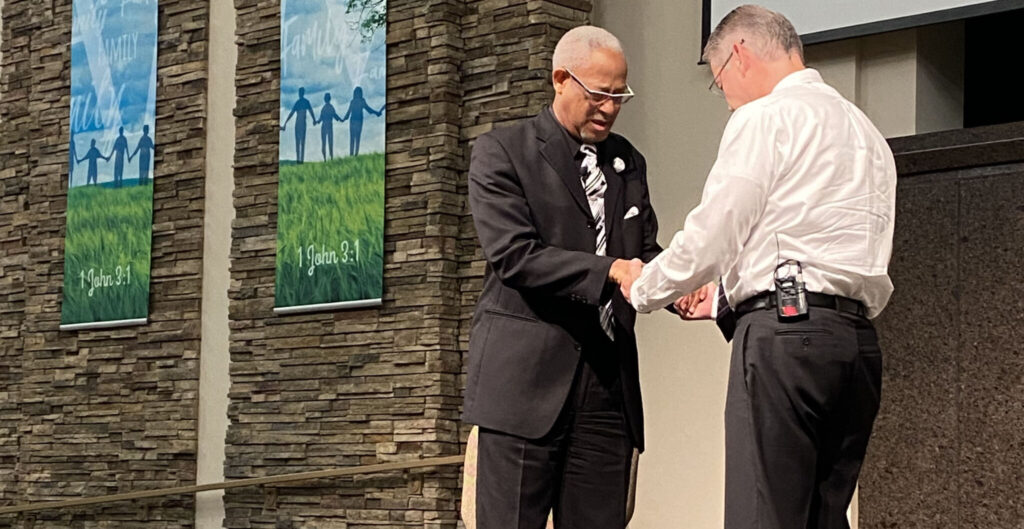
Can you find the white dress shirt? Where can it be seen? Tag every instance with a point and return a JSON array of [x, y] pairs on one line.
[[801, 174]]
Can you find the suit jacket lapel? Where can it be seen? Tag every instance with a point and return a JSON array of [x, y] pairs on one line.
[[555, 150]]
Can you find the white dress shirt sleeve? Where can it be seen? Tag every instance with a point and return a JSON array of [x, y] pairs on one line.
[[716, 230]]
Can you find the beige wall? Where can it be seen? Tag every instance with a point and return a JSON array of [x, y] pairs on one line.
[[214, 379], [1, 32], [676, 122], [907, 82]]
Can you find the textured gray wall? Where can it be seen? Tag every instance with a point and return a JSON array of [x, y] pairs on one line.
[[948, 446]]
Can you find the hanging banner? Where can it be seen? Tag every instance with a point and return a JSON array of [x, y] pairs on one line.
[[110, 164], [330, 223]]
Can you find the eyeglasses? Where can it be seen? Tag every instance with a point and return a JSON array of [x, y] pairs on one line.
[[598, 97], [714, 87]]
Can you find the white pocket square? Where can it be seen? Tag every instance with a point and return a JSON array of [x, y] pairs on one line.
[[633, 211]]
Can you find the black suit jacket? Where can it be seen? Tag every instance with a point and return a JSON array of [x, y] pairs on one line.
[[544, 283]]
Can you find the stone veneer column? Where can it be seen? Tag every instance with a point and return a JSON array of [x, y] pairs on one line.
[[97, 412], [347, 388], [506, 76]]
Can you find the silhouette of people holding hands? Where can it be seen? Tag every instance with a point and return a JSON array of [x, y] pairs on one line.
[[300, 108], [120, 149], [73, 155], [144, 149], [93, 155], [327, 118], [355, 112]]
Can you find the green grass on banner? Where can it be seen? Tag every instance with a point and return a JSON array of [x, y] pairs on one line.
[[107, 253], [330, 231]]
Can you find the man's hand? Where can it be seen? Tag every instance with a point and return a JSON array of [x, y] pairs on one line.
[[697, 304], [624, 272]]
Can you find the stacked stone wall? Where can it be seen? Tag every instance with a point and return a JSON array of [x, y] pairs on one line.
[[97, 412]]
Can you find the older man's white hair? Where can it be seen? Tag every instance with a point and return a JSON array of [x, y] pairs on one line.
[[766, 32], [574, 48]]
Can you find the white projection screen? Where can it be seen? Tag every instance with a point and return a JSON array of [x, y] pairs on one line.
[[827, 20]]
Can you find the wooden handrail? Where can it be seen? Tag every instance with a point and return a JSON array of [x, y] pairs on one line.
[[249, 482]]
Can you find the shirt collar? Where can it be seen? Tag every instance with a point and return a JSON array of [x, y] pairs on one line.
[[805, 76], [570, 140]]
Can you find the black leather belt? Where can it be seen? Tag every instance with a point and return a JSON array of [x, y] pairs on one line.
[[766, 300]]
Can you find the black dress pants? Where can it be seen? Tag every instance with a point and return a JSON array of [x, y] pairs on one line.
[[580, 469], [800, 405]]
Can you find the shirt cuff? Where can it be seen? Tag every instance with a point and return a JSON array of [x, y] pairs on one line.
[[634, 298]]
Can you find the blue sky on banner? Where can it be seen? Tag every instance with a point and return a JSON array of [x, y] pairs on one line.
[[323, 50], [113, 81]]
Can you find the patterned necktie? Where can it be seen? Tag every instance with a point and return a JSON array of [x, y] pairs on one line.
[[726, 318], [594, 185], [723, 303]]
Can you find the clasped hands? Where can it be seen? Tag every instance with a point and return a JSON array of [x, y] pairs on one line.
[[697, 304], [693, 306], [624, 273]]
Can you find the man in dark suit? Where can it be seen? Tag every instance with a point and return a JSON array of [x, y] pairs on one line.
[[562, 211]]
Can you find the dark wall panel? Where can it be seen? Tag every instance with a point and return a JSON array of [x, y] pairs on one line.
[[991, 405], [948, 446], [909, 476]]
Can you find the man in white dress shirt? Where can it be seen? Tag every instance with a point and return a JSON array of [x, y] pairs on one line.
[[802, 176]]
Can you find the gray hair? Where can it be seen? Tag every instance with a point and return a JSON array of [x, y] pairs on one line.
[[574, 48], [766, 32]]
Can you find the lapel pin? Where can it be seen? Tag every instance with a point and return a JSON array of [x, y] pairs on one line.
[[618, 164]]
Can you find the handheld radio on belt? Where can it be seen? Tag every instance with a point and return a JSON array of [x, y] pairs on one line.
[[790, 294]]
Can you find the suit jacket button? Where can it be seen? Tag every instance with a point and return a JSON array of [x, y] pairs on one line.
[[578, 347], [590, 224]]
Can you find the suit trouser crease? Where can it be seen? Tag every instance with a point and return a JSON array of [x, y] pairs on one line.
[[580, 469]]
